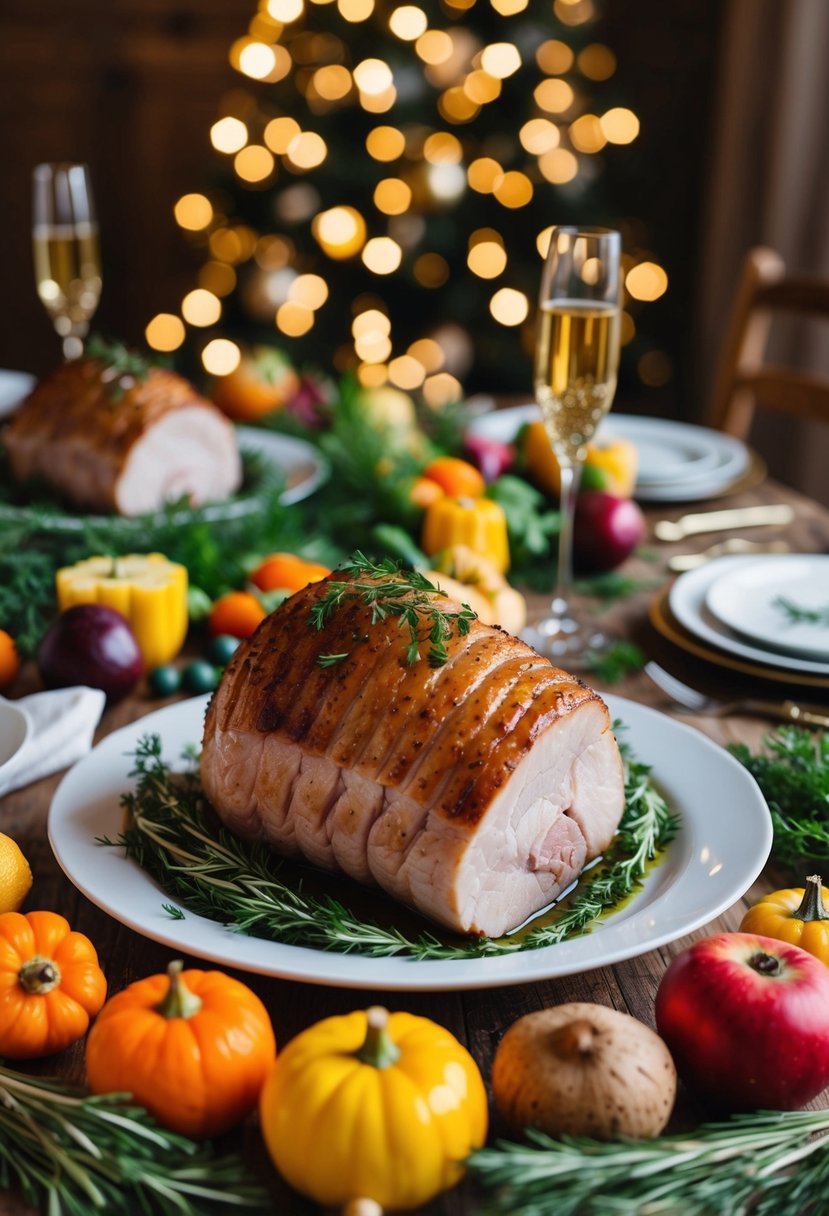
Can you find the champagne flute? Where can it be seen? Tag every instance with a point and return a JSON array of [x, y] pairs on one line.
[[66, 256], [576, 367]]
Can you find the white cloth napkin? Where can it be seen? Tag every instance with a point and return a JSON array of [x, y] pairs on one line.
[[63, 724]]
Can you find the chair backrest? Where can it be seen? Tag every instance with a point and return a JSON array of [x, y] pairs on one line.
[[744, 379]]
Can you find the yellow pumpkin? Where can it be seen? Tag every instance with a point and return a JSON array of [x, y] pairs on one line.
[[796, 915], [479, 523], [373, 1105], [611, 464]]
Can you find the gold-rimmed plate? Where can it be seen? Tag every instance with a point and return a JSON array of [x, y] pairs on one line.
[[669, 628]]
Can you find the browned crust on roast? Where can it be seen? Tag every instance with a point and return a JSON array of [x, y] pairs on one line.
[[71, 428], [444, 735]]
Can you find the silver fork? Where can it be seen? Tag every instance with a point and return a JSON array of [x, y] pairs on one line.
[[698, 702]]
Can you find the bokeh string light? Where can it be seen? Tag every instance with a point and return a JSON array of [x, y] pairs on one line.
[[391, 173]]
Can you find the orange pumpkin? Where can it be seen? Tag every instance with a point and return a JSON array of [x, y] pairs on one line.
[[50, 984], [193, 1047]]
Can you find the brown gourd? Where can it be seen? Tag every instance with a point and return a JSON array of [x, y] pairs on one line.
[[584, 1070]]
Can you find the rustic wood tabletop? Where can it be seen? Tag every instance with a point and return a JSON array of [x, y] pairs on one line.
[[478, 1018]]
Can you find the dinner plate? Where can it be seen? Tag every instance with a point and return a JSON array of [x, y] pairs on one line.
[[300, 464], [678, 462], [722, 844], [752, 600], [666, 624], [14, 386], [687, 598]]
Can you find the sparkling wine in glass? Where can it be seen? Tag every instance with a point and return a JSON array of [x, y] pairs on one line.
[[66, 255], [576, 367]]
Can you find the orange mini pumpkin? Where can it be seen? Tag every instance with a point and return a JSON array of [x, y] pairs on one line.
[[50, 984], [193, 1047]]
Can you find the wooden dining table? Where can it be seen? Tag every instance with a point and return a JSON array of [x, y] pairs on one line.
[[479, 1018]]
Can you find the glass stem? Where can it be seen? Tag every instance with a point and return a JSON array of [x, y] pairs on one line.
[[570, 482]]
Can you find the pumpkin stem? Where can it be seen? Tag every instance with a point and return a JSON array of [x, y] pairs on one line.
[[179, 1001], [39, 975], [575, 1039], [362, 1207], [378, 1050], [812, 907]]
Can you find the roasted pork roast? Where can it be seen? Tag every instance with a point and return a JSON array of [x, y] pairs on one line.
[[127, 446], [474, 791]]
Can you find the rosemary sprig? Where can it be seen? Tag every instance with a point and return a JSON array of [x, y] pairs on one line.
[[797, 615], [123, 368], [391, 591], [73, 1154], [246, 887], [745, 1164]]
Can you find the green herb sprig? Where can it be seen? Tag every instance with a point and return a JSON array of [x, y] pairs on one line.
[[763, 1163], [246, 887], [793, 773], [391, 591], [76, 1154], [123, 367], [796, 615]]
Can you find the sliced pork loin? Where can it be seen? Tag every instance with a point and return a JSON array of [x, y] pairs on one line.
[[124, 447], [474, 792]]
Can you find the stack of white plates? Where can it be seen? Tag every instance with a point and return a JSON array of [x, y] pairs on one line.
[[771, 611], [678, 462]]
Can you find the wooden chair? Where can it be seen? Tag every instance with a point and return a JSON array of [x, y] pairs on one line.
[[744, 379]]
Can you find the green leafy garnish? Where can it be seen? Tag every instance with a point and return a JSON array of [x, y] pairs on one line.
[[793, 773], [391, 591], [764, 1163], [75, 1154], [620, 660], [123, 367], [796, 615], [247, 887]]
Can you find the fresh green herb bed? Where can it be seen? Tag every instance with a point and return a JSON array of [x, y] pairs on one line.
[[247, 887]]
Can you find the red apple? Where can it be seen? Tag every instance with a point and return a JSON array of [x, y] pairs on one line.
[[606, 530], [746, 1019]]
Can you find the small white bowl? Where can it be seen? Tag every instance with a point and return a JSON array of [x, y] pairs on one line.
[[15, 727]]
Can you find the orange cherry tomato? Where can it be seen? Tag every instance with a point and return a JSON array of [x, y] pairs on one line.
[[237, 613], [457, 478], [262, 382], [9, 659], [424, 491], [287, 572]]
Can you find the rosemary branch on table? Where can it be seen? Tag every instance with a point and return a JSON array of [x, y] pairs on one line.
[[245, 886], [71, 1154], [744, 1164], [392, 591]]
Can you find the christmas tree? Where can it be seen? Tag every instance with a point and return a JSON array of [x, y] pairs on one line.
[[388, 175]]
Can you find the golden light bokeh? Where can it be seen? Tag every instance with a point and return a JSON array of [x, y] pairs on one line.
[[385, 143], [655, 368], [382, 255], [193, 212], [279, 132], [596, 62], [332, 82], [218, 277], [372, 375], [232, 244], [484, 175], [620, 125], [309, 290], [408, 22], [373, 76], [481, 88], [165, 332], [406, 372], [435, 46], [201, 308], [455, 105], [428, 353], [370, 323], [586, 134], [539, 135], [574, 12], [285, 11], [509, 307], [340, 231], [355, 10], [514, 190], [501, 59], [392, 196], [555, 96], [558, 166], [255, 163], [554, 57], [257, 60], [542, 241], [647, 281], [379, 103], [373, 347], [443, 148], [627, 329], [221, 357], [228, 135], [293, 319], [431, 270], [307, 150], [442, 390], [487, 259], [509, 8]]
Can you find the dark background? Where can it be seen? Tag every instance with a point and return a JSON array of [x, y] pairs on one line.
[[132, 87]]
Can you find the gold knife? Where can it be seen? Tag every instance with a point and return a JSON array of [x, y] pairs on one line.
[[715, 521]]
